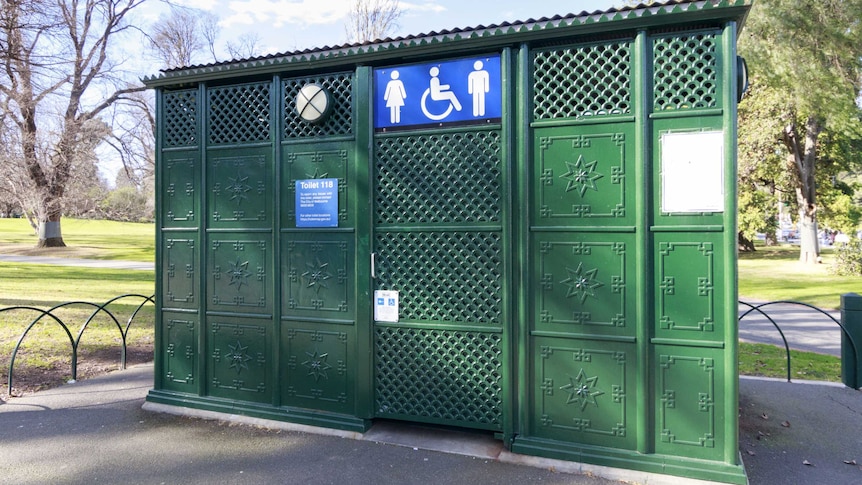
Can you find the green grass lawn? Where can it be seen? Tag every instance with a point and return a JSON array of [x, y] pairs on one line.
[[44, 359], [771, 361], [774, 273], [85, 239]]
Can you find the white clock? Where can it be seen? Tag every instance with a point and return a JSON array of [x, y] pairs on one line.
[[313, 103]]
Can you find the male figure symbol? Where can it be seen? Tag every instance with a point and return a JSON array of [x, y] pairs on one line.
[[478, 83]]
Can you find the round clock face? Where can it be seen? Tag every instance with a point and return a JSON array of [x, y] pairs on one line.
[[313, 103]]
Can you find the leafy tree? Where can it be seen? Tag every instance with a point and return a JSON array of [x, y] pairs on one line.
[[807, 55]]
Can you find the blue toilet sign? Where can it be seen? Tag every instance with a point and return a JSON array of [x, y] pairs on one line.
[[463, 91], [317, 203]]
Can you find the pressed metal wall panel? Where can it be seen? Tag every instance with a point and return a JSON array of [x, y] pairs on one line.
[[239, 188], [179, 337], [239, 353], [583, 280], [586, 392], [318, 274]]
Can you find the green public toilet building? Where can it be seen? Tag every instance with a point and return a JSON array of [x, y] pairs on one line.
[[526, 228]]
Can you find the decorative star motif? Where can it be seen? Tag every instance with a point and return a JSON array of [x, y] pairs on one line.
[[582, 175], [238, 357], [237, 188], [317, 275], [317, 365], [317, 174], [582, 390], [238, 273], [582, 283]]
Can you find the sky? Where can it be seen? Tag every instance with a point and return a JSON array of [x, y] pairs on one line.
[[289, 25]]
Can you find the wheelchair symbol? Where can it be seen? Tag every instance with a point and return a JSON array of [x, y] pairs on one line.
[[439, 92]]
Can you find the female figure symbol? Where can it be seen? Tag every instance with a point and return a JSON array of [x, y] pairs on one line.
[[394, 97]]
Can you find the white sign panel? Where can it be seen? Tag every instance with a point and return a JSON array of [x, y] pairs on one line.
[[385, 306], [692, 172]]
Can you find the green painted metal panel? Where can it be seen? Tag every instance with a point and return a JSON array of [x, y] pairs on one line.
[[239, 188], [319, 366], [179, 270], [179, 335], [584, 284], [585, 392], [238, 352], [239, 273], [689, 284], [689, 402], [180, 198]]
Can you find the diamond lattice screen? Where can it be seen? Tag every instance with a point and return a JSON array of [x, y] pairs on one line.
[[180, 118], [441, 178], [438, 374], [577, 82], [443, 276], [239, 114]]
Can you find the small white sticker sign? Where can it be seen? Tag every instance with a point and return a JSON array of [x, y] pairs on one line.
[[385, 306], [692, 172]]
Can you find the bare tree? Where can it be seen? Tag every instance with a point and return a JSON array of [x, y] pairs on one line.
[[56, 76], [180, 37], [248, 45], [372, 19]]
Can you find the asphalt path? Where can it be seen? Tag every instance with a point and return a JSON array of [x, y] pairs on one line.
[[88, 263], [804, 328]]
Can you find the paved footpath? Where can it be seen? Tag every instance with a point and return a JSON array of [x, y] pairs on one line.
[[89, 263], [97, 431], [804, 328]]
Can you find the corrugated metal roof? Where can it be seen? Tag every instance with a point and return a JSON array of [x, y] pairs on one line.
[[498, 33]]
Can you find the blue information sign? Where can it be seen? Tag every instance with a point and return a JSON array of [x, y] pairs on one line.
[[317, 203], [461, 91]]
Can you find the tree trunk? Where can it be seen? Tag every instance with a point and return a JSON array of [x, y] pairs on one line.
[[50, 235], [803, 155], [745, 244]]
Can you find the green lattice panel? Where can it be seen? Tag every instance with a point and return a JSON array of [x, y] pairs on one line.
[[584, 283], [319, 370], [239, 113], [180, 117], [443, 276], [439, 178], [689, 402], [582, 81], [581, 176], [585, 392], [440, 376], [340, 120], [331, 160], [239, 273], [318, 275], [239, 184], [178, 346], [689, 284], [180, 189], [239, 358], [685, 71], [179, 273]]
